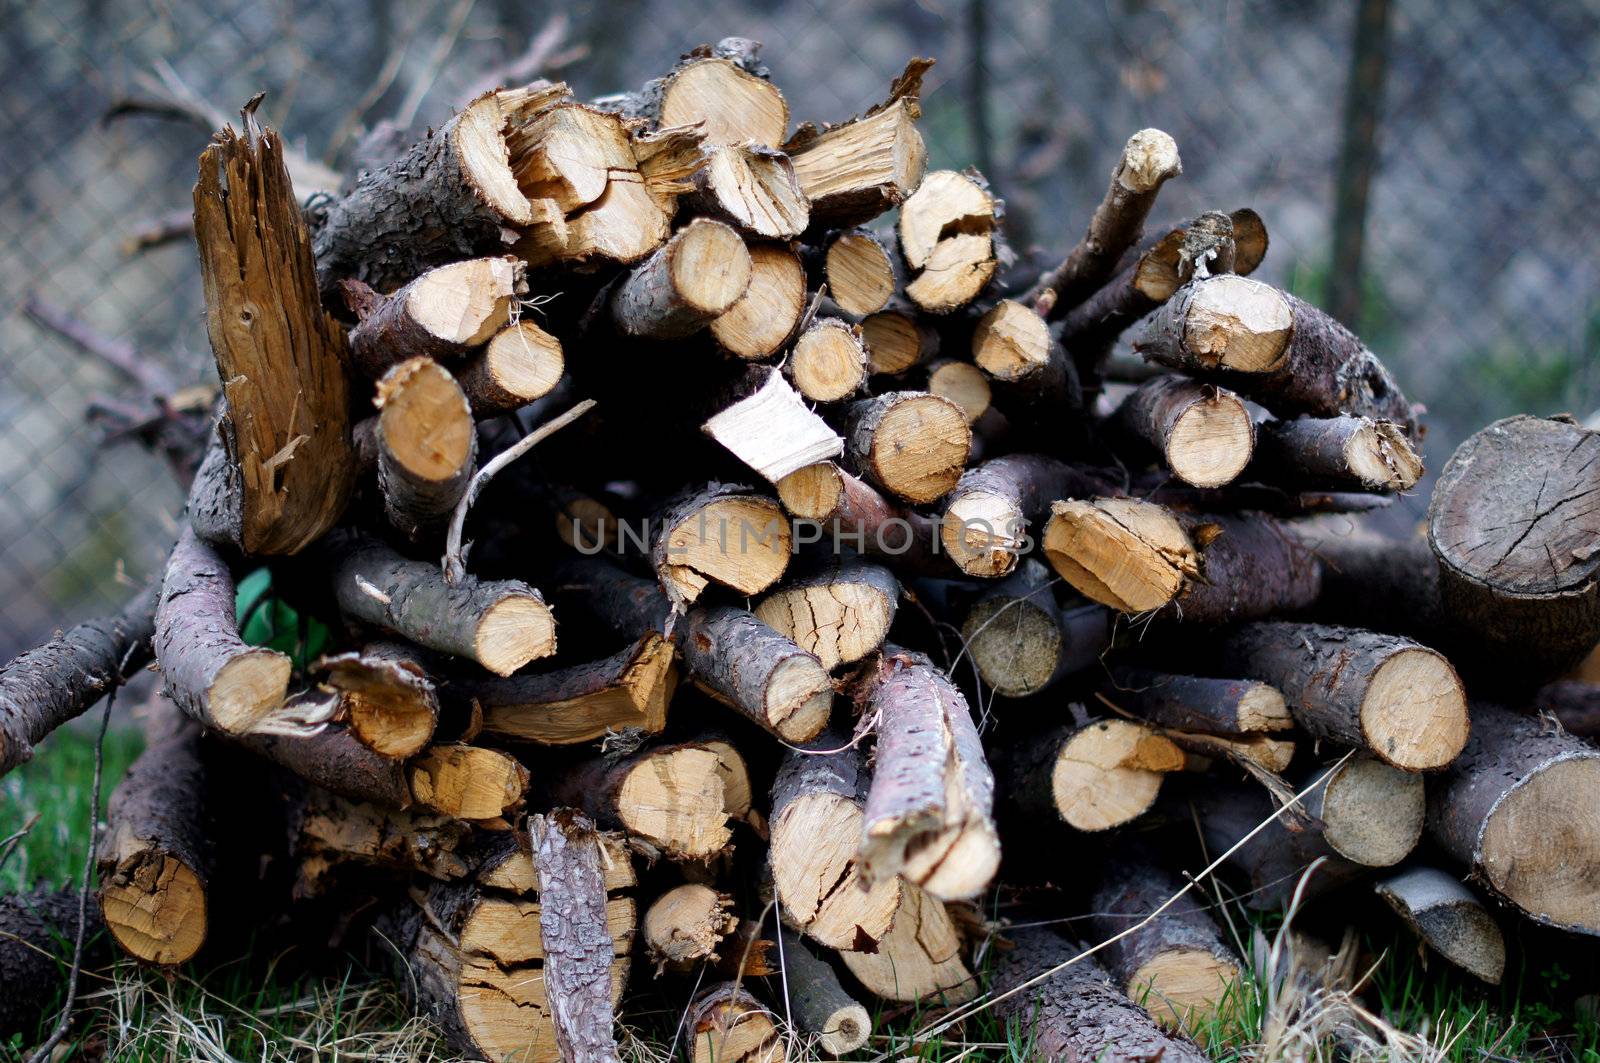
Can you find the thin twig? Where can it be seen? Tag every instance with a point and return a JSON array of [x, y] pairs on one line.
[[10, 843], [455, 562]]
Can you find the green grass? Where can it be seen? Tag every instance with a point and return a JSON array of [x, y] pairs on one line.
[[278, 1003]]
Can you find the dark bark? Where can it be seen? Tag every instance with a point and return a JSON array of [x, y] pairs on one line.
[[1275, 859], [670, 796], [578, 947], [1196, 703], [37, 930], [753, 669], [1352, 453], [394, 328], [1575, 702], [1201, 432], [819, 1005], [334, 760], [1023, 642]]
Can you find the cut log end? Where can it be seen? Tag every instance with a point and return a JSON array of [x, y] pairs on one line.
[[963, 384], [1415, 712], [859, 272], [469, 782], [814, 840], [1184, 988], [480, 148], [1530, 843], [1110, 772], [918, 446], [513, 631], [735, 105], [425, 425], [390, 703], [465, 303], [982, 533], [521, 363], [730, 1026], [840, 620], [1015, 643], [1372, 813], [800, 698], [764, 318], [1447, 916], [1239, 324], [754, 189], [813, 492], [248, 688], [1382, 457], [1211, 441], [155, 906], [675, 800], [1011, 341], [740, 541], [828, 362], [896, 342], [687, 924], [1149, 160], [920, 958], [711, 267], [1132, 556]]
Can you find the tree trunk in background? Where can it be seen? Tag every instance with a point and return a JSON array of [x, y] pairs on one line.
[[1358, 157]]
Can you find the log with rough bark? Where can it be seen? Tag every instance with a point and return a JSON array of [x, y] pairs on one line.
[[910, 443], [427, 447], [569, 706], [1347, 452], [1148, 161], [1396, 698], [37, 931], [1091, 777], [286, 466], [442, 314], [858, 271], [469, 782], [828, 362], [158, 857], [1369, 812], [963, 384], [501, 624], [771, 428], [206, 669], [1517, 810], [920, 959], [43, 688], [726, 87], [1023, 642], [1275, 859], [521, 363], [685, 925], [731, 1026], [753, 188], [1202, 432], [1137, 556], [1450, 918], [856, 170], [840, 613], [988, 514], [1031, 379], [929, 811], [1514, 527], [1274, 348], [672, 797], [760, 321], [1063, 1007], [946, 236], [898, 338], [1176, 965], [854, 513], [694, 278], [476, 960], [816, 821], [386, 696], [334, 760], [720, 533], [817, 1004], [759, 672], [1234, 707]]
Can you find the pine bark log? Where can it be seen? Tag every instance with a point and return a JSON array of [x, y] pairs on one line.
[[37, 930], [441, 315]]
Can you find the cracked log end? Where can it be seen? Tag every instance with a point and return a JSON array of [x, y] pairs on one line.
[[469, 782], [676, 800], [766, 315], [1372, 813], [814, 868], [1130, 555], [799, 698], [687, 924], [155, 906], [631, 688], [513, 631], [1414, 714], [859, 272], [1149, 160], [735, 105], [1236, 323], [1110, 772], [919, 959], [841, 617], [478, 136], [1011, 342], [755, 190], [740, 541], [828, 362], [946, 204], [982, 532], [1381, 456]]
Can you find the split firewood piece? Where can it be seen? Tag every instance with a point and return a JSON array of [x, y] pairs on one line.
[[963, 384], [919, 959], [1515, 532], [818, 1004], [521, 363], [37, 932], [1273, 862], [1394, 697], [1277, 349], [1264, 751], [335, 761], [1202, 432], [816, 822], [442, 314], [946, 235], [569, 706], [452, 196], [574, 927], [1517, 808], [427, 447], [1136, 556], [757, 671], [286, 466], [1149, 160], [206, 669], [1233, 707], [694, 278], [726, 87], [1177, 965], [829, 361], [1023, 642], [720, 533], [1075, 1012], [477, 961], [771, 429], [501, 624], [1092, 777], [1032, 379], [854, 171], [1354, 452], [987, 516], [760, 321], [855, 513], [330, 836], [859, 272], [752, 188], [470, 782], [158, 855], [1450, 918], [731, 1026], [43, 688], [386, 696], [669, 796], [1574, 702], [910, 443], [1370, 813], [687, 924], [898, 339], [929, 816], [840, 614]]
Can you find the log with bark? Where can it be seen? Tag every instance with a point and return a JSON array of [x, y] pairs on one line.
[[817, 1004], [1031, 379], [723, 534], [909, 443], [1347, 452], [841, 613], [729, 1025], [1203, 433], [694, 278], [520, 363], [37, 931], [1022, 641], [427, 447], [988, 514], [1369, 812], [855, 514], [752, 187], [761, 320], [1198, 703], [946, 237], [1091, 776], [386, 696], [442, 314], [859, 273], [1450, 918], [685, 925]]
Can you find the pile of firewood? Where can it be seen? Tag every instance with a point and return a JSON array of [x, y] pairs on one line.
[[733, 549]]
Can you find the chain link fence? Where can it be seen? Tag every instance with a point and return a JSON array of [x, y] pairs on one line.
[[1478, 280]]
